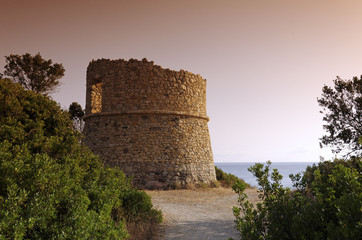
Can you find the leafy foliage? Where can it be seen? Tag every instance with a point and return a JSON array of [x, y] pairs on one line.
[[228, 179], [33, 72], [137, 210], [77, 113], [326, 168], [326, 207], [342, 107], [51, 186]]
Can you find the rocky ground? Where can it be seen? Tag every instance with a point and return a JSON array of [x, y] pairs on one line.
[[198, 214]]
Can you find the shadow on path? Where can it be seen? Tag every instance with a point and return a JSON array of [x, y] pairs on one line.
[[205, 230]]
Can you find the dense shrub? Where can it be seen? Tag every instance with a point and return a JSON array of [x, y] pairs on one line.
[[228, 179], [325, 205], [51, 186], [141, 219], [326, 168]]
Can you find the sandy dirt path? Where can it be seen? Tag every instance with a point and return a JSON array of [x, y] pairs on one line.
[[198, 214]]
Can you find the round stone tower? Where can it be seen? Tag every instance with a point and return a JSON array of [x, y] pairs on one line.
[[149, 121]]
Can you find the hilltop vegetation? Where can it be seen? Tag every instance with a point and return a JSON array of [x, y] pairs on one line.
[[33, 72], [53, 187], [228, 179]]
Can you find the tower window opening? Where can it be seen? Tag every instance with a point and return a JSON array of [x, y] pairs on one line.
[[96, 97]]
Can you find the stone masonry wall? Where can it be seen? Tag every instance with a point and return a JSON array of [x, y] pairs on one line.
[[149, 121]]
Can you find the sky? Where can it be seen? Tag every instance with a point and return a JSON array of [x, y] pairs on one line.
[[265, 61]]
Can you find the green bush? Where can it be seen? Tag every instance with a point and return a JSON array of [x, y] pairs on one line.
[[228, 179], [327, 206], [51, 186], [142, 220], [326, 168], [137, 206]]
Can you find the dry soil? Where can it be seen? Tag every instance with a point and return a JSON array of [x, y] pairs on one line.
[[198, 214]]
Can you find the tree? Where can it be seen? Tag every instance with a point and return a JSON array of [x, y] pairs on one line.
[[52, 186], [33, 72], [77, 113], [342, 109]]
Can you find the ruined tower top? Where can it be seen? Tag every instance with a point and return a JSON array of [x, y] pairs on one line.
[[143, 87]]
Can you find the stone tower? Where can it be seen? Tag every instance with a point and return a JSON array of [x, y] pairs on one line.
[[149, 121]]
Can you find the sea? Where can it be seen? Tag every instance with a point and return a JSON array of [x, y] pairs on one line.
[[240, 169]]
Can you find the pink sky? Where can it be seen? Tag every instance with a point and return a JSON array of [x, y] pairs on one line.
[[265, 61]]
